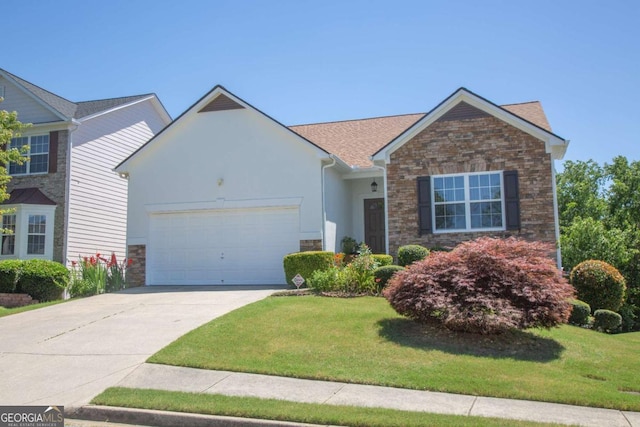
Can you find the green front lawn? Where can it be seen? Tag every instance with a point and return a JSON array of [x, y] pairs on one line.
[[362, 340], [271, 409], [9, 311]]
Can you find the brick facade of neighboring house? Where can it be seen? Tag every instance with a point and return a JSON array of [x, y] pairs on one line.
[[52, 185], [463, 146]]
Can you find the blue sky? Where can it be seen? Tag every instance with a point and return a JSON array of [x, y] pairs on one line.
[[307, 62]]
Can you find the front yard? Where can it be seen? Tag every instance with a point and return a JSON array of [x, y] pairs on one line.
[[362, 340]]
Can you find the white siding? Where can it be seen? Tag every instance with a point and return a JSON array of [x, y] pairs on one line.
[[30, 110], [97, 195], [257, 160]]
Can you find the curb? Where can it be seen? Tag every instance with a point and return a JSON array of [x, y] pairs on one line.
[[150, 417]]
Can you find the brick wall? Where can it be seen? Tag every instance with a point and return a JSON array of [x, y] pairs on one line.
[[52, 185], [310, 245], [16, 300], [136, 271], [461, 146]]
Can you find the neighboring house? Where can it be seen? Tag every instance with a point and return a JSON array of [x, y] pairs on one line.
[[244, 190], [67, 200]]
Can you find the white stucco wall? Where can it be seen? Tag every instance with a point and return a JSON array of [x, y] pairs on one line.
[[221, 159]]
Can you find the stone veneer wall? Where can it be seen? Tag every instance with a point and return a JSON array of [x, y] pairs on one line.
[[472, 145], [52, 185], [136, 273], [310, 245]]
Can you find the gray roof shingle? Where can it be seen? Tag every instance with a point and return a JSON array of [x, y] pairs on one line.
[[69, 109]]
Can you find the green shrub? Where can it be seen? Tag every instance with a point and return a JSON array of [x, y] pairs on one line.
[[409, 254], [9, 275], [580, 313], [629, 317], [607, 321], [383, 259], [383, 274], [355, 277], [43, 280], [349, 245], [82, 288], [598, 284], [305, 263]]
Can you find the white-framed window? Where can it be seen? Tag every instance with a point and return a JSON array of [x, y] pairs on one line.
[[32, 227], [38, 155], [9, 239], [36, 234], [468, 202]]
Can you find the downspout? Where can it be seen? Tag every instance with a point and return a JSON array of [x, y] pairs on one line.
[[67, 191], [324, 207], [386, 209], [556, 216]]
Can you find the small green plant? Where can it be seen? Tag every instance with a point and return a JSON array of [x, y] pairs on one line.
[[96, 275], [598, 284], [349, 245], [306, 263], [383, 273], [607, 321], [579, 313], [356, 277], [409, 254]]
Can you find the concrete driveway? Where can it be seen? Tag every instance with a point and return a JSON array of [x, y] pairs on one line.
[[68, 353]]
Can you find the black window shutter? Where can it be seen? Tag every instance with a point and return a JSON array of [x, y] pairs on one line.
[[512, 199], [424, 204], [53, 152]]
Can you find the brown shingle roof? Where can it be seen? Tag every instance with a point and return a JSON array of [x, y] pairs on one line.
[[531, 112], [28, 196], [354, 141]]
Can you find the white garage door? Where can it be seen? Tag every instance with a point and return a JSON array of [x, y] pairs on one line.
[[221, 247]]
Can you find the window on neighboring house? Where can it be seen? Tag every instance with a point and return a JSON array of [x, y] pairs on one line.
[[36, 234], [38, 155], [485, 201], [9, 240]]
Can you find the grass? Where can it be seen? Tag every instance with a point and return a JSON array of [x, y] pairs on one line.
[[280, 410], [362, 340], [9, 311]]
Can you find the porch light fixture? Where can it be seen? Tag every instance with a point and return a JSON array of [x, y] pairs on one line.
[[374, 186]]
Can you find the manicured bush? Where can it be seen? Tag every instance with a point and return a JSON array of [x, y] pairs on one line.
[[579, 313], [382, 259], [43, 280], [606, 321], [484, 286], [598, 284], [9, 275], [409, 254], [629, 318], [305, 263], [384, 273]]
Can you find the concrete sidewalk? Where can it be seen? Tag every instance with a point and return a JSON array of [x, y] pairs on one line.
[[173, 378]]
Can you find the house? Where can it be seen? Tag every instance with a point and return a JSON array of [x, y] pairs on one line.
[[244, 190], [66, 199]]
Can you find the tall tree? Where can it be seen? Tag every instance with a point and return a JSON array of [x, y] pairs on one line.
[[580, 193]]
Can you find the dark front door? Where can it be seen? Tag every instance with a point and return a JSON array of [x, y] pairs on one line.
[[374, 225]]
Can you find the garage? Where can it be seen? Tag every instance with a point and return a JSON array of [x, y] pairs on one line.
[[221, 246]]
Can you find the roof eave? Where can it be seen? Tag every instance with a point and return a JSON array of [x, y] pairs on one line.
[[39, 100], [554, 144]]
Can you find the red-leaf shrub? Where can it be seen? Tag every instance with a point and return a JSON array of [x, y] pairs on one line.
[[484, 286]]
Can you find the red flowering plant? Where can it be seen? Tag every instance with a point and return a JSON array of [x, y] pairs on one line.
[[96, 275]]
